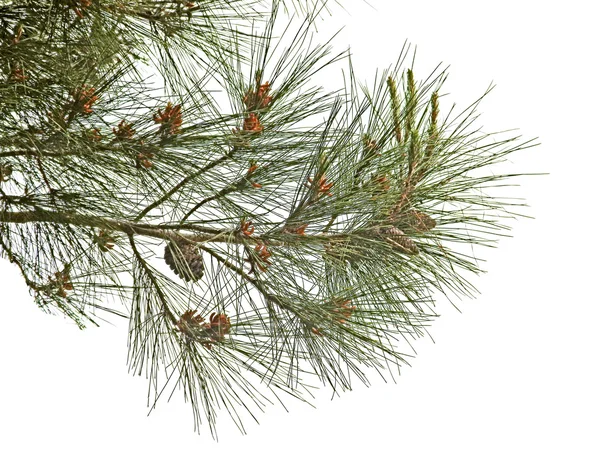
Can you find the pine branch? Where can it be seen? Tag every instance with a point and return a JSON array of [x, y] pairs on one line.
[[305, 231]]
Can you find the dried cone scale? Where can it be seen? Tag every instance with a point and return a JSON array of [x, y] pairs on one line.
[[185, 260]]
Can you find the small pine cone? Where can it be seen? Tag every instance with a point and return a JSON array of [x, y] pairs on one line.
[[185, 260], [420, 221], [399, 239], [5, 172]]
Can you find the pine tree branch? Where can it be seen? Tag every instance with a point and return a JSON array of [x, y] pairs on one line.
[[18, 153], [165, 232], [342, 209], [68, 218]]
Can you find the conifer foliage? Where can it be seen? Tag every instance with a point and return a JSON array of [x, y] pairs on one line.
[[176, 164]]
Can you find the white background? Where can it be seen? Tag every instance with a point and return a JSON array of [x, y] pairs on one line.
[[512, 380]]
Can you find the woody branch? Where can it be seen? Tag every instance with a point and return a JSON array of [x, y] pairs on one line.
[[165, 232]]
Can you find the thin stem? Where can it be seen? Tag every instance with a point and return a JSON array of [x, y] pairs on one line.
[[152, 278], [14, 260], [183, 182], [223, 192], [257, 283]]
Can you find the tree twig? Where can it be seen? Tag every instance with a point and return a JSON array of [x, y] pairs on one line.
[[183, 182]]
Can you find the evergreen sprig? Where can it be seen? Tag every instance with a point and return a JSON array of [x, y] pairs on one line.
[[307, 231]]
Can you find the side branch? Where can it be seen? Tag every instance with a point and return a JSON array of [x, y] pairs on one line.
[[152, 278], [183, 182], [257, 283]]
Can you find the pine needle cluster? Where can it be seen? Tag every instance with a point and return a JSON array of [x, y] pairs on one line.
[[174, 163]]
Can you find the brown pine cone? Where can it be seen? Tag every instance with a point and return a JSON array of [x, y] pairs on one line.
[[185, 260], [420, 221], [399, 240]]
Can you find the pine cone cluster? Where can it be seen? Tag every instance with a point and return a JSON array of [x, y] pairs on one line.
[[60, 283], [169, 119], [185, 260], [193, 326]]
